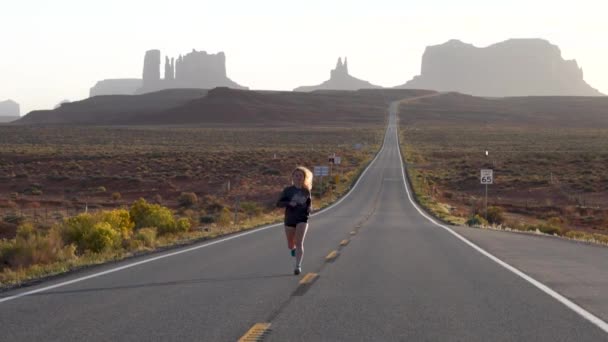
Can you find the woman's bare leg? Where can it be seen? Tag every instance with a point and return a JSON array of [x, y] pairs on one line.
[[290, 233], [300, 234]]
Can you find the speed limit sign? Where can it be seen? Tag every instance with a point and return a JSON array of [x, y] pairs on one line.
[[487, 176]]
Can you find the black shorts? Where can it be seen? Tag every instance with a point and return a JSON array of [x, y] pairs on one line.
[[294, 223]]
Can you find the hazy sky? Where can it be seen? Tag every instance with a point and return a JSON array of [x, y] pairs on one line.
[[56, 50]]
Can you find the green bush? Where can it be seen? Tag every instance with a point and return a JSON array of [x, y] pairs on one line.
[[187, 199], [183, 225], [120, 221], [548, 229], [147, 215], [76, 228], [147, 236], [476, 220], [98, 232], [495, 215], [102, 237]]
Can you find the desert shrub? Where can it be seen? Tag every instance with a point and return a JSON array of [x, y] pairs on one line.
[[579, 235], [145, 214], [476, 220], [600, 238], [251, 208], [224, 218], [180, 226], [213, 204], [76, 228], [98, 232], [495, 215], [183, 225], [158, 199], [90, 233], [207, 219], [26, 230], [120, 221], [32, 247], [271, 171], [548, 228], [187, 199], [14, 218], [101, 237], [147, 236], [116, 196]]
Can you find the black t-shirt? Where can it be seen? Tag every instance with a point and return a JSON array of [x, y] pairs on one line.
[[298, 213]]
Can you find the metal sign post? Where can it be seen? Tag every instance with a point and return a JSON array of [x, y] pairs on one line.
[[320, 171], [487, 177]]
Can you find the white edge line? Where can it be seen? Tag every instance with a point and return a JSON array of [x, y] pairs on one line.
[[565, 301], [256, 230]]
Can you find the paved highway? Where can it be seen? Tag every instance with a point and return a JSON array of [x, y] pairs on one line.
[[396, 276]]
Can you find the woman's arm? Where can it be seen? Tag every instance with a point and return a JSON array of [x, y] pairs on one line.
[[283, 200], [309, 204]]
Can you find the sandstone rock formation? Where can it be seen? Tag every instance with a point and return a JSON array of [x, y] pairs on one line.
[[339, 79], [9, 108], [151, 74], [124, 86], [516, 67], [197, 69]]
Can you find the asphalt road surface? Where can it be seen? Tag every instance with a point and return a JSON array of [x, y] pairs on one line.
[[396, 276]]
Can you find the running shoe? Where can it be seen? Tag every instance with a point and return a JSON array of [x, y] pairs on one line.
[[297, 271]]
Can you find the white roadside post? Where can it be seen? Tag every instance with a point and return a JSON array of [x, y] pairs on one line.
[[487, 177]]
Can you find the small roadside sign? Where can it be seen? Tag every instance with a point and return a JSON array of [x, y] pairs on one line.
[[321, 170], [487, 176], [334, 159]]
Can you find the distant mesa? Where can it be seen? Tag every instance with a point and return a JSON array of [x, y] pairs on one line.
[[225, 106], [62, 103], [112, 109], [340, 80], [120, 86], [195, 70], [9, 111], [516, 67]]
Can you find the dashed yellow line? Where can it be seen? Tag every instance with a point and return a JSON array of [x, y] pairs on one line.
[[309, 278], [332, 255], [344, 242], [255, 333]]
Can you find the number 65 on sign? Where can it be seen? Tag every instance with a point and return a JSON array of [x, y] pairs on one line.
[[486, 176]]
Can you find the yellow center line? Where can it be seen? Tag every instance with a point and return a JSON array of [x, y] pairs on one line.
[[308, 278], [331, 255], [343, 242], [255, 333]]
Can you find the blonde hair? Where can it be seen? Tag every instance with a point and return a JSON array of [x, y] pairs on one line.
[[307, 176]]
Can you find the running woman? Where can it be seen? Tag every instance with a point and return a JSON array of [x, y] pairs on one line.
[[296, 200]]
